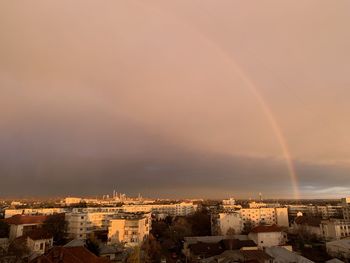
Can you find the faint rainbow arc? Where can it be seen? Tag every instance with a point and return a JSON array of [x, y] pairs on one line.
[[254, 91]]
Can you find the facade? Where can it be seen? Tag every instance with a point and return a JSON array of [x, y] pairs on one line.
[[223, 222], [308, 225], [269, 216], [177, 209], [39, 242], [335, 229], [21, 225], [268, 236], [34, 211], [131, 229], [323, 211], [79, 227]]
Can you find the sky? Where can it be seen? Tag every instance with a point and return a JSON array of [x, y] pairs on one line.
[[187, 98]]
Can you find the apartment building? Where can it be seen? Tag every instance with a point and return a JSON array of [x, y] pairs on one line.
[[269, 216], [177, 209], [82, 224], [335, 229], [34, 211], [131, 229], [323, 211], [226, 223]]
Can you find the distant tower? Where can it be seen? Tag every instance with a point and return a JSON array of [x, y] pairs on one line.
[[260, 197]]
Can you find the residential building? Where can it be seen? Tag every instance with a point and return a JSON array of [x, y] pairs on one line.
[[131, 229], [269, 216], [223, 222], [308, 226], [323, 211], [23, 224], [39, 241], [335, 229], [34, 211], [268, 236]]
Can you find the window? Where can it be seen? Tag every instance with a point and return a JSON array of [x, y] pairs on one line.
[[41, 246]]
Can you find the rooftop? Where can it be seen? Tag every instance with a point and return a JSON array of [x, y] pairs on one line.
[[266, 228], [26, 219]]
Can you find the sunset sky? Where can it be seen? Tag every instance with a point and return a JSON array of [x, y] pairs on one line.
[[185, 98]]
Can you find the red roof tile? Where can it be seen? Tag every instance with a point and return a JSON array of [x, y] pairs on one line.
[[25, 220], [70, 255]]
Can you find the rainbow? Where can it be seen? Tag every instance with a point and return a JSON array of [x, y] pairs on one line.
[[231, 62]]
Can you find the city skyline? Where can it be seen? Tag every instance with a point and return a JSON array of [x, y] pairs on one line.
[[175, 98]]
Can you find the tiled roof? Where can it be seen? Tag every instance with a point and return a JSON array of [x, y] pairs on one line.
[[70, 255], [25, 219], [265, 228]]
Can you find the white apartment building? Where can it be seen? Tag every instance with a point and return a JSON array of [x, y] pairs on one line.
[[177, 209], [131, 229], [269, 216], [324, 211], [79, 227], [34, 211], [82, 224], [226, 221], [335, 229]]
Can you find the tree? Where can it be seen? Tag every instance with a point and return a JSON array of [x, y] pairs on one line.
[[4, 229], [230, 232], [200, 223], [57, 227], [248, 225], [134, 256], [152, 250], [159, 228]]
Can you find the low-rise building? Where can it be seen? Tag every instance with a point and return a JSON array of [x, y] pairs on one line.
[[39, 241], [23, 224], [268, 236], [339, 248], [306, 225]]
